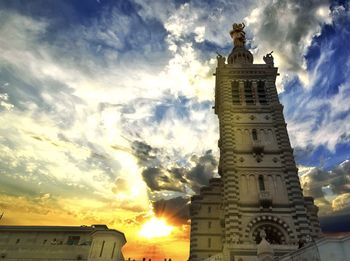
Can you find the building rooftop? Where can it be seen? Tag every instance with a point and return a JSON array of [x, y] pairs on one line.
[[82, 228]]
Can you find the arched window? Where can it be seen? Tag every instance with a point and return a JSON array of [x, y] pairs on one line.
[[274, 235], [254, 134], [235, 92], [261, 183], [248, 92], [262, 93], [209, 242]]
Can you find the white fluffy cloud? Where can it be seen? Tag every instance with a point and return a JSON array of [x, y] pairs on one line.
[[71, 108], [287, 28], [71, 123]]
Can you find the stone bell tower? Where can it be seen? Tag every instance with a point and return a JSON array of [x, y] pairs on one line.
[[258, 189]]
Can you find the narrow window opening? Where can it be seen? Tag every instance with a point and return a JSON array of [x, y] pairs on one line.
[[235, 92], [262, 92], [209, 224], [261, 183], [254, 134], [113, 250], [248, 92], [17, 241], [209, 242], [209, 209], [103, 244]]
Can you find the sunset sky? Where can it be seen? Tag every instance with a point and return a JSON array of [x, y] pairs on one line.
[[106, 108]]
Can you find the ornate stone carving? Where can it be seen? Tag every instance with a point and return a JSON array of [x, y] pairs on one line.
[[221, 59], [238, 35], [268, 59], [264, 251]]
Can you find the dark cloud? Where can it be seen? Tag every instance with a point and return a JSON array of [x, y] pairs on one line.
[[175, 210], [179, 174], [158, 179], [145, 153], [205, 167], [336, 181], [154, 174], [314, 181]]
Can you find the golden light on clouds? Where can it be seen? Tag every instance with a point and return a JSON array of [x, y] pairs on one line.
[[155, 227]]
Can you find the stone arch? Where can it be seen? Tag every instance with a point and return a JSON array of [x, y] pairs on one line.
[[274, 233], [263, 221]]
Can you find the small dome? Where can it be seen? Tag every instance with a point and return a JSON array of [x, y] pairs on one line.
[[240, 55]]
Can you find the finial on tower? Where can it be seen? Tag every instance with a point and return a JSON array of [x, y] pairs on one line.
[[238, 35]]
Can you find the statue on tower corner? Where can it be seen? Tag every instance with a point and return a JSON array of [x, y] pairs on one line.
[[238, 35], [268, 59]]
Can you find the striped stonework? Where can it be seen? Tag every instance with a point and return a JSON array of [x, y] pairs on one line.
[[258, 188]]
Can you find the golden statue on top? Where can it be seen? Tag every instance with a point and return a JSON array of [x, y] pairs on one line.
[[238, 35]]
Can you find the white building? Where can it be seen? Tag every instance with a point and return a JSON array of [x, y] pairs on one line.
[[96, 242], [324, 249]]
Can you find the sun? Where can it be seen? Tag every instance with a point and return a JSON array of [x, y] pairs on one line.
[[155, 227]]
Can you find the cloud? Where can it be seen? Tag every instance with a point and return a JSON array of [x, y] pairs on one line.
[[145, 153], [160, 179], [319, 116], [341, 202], [110, 114], [289, 37], [330, 189], [176, 210], [76, 118], [204, 169], [159, 174]]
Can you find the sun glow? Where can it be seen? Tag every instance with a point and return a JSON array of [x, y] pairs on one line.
[[155, 228]]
